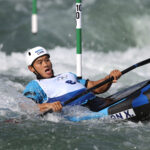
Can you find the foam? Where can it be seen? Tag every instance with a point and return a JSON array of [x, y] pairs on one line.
[[94, 63]]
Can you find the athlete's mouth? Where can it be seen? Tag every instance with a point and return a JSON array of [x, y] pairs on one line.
[[47, 70]]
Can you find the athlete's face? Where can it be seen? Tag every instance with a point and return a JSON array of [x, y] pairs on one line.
[[43, 66]]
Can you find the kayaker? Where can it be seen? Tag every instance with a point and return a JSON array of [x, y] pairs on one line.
[[50, 91]]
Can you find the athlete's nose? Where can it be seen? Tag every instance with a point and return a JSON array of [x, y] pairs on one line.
[[45, 63]]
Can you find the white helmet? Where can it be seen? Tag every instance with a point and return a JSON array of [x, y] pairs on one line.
[[34, 53]]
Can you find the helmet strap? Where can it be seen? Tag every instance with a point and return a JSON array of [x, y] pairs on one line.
[[38, 76]]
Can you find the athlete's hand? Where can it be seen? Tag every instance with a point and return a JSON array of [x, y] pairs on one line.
[[56, 107], [116, 74]]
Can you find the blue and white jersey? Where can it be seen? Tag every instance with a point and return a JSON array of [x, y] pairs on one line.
[[59, 88]]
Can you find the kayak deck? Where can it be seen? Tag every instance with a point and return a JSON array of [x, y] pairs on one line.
[[132, 103]]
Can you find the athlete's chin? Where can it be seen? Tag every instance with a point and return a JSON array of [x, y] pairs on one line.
[[49, 75]]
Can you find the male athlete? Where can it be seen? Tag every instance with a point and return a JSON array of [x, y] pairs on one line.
[[50, 91]]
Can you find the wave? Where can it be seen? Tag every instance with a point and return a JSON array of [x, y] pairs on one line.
[[64, 60]]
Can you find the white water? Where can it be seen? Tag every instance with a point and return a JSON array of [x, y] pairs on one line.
[[96, 65]]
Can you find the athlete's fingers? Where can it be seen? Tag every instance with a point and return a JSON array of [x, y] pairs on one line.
[[114, 81], [116, 75], [57, 106], [52, 106]]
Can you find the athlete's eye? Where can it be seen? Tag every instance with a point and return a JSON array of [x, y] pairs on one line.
[[39, 62]]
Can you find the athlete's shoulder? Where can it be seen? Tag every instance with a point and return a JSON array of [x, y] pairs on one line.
[[32, 84], [34, 91]]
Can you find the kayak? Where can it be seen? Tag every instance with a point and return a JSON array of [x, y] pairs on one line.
[[132, 103]]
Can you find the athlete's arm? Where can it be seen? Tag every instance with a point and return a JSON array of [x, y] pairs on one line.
[[56, 107], [115, 73]]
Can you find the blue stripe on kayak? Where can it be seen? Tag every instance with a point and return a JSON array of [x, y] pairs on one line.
[[142, 99]]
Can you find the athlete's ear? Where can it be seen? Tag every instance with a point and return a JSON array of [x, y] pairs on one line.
[[31, 68]]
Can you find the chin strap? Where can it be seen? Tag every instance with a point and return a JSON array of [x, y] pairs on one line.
[[38, 76]]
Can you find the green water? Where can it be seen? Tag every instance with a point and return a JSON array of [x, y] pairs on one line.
[[116, 35], [107, 25], [94, 135]]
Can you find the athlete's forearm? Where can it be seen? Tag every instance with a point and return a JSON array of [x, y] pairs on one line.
[[116, 74], [101, 89]]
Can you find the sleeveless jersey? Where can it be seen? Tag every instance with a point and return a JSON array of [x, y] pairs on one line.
[[59, 88]]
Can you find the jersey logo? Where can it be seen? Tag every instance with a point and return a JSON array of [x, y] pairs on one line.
[[62, 77], [70, 82]]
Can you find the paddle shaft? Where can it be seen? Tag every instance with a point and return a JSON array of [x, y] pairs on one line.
[[144, 62], [106, 81]]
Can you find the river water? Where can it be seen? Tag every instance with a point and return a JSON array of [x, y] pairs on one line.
[[116, 35]]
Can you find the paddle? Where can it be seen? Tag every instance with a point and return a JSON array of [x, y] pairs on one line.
[[144, 62]]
